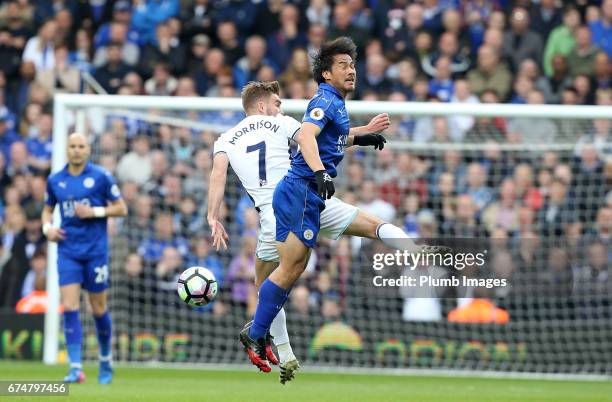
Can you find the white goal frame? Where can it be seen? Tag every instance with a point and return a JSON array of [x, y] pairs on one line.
[[78, 102]]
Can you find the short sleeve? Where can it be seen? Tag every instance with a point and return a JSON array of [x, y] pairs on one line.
[[50, 199], [290, 126], [220, 146], [318, 112], [111, 190]]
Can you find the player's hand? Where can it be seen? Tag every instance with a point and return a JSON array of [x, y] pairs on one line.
[[378, 140], [218, 234], [83, 211], [325, 185], [379, 123], [56, 234]]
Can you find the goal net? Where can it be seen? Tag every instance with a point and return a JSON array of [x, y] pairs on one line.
[[529, 188]]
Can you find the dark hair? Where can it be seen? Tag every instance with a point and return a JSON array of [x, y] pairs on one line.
[[255, 90], [325, 58]]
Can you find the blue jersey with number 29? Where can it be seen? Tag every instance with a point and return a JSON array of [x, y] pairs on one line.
[[94, 187], [328, 111]]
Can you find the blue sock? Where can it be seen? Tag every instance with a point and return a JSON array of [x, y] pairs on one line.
[[271, 300], [104, 330], [74, 337]]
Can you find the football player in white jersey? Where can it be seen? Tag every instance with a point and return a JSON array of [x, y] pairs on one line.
[[258, 149]]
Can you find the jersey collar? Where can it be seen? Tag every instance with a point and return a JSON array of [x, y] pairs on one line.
[[326, 87]]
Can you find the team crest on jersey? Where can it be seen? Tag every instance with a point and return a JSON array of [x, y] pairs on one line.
[[317, 113], [115, 190], [89, 182], [308, 234]]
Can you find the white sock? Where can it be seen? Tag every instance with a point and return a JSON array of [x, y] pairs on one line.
[[396, 238], [280, 336]]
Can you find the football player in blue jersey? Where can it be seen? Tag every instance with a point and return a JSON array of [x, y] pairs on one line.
[[300, 196], [86, 195]]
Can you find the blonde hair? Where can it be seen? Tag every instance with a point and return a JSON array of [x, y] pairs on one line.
[[256, 90]]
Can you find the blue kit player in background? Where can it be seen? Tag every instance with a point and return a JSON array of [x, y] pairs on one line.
[[300, 196], [87, 195]]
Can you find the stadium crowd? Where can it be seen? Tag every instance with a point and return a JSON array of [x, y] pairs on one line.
[[550, 212]]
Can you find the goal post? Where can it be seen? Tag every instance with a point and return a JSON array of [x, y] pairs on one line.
[[361, 327]]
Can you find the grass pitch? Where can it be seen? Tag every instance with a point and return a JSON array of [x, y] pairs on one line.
[[154, 384]]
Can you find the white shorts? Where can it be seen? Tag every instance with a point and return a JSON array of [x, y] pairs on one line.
[[335, 218]]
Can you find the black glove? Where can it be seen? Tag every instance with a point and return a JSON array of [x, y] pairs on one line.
[[370, 139], [325, 185]]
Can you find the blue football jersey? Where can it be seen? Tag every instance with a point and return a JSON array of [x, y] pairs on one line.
[[94, 187], [328, 111]]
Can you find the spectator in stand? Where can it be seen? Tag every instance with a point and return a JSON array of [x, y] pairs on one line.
[[10, 56], [544, 18], [561, 39], [40, 147], [504, 212], [161, 82], [374, 78], [298, 68], [533, 131], [521, 88], [229, 42], [112, 73], [409, 179], [38, 267], [138, 225], [200, 45], [147, 14], [520, 42], [205, 76], [459, 126], [8, 136], [490, 74], [589, 187], [247, 67], [62, 77], [118, 33], [40, 48], [581, 59], [448, 46], [441, 85], [558, 210], [400, 35], [136, 165], [287, 38], [168, 269], [602, 28], [342, 26], [18, 21], [241, 274], [166, 48], [371, 203], [476, 180], [602, 71], [560, 78], [152, 248], [198, 18]]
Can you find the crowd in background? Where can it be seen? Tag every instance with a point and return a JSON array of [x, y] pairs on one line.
[[551, 210]]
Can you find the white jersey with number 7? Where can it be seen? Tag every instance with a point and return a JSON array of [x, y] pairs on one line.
[[258, 151]]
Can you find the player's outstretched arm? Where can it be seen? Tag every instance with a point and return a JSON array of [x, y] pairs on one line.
[[216, 191], [52, 233], [369, 134]]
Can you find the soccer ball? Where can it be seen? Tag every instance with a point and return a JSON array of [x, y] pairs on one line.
[[197, 286]]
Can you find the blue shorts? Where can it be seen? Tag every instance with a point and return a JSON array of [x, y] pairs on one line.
[[297, 208], [93, 273]]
